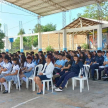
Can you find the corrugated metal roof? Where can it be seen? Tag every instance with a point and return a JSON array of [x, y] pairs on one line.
[[47, 7], [84, 22]]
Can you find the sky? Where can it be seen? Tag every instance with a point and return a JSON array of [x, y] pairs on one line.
[[29, 21]]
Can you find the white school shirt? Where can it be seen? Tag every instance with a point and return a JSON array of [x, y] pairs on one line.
[[48, 70], [8, 66], [1, 63], [25, 65], [15, 67], [30, 65]]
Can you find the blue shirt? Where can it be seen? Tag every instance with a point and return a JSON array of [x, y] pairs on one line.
[[36, 62], [60, 62], [106, 60], [93, 58], [99, 60], [76, 67], [88, 61]]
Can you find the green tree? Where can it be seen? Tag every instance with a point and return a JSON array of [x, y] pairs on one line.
[[47, 27], [26, 42], [94, 12], [2, 35], [49, 48], [21, 32]]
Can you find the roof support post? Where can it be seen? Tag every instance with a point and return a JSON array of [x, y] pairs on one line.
[[64, 40], [59, 41], [21, 44], [99, 37], [6, 44], [73, 41], [39, 35]]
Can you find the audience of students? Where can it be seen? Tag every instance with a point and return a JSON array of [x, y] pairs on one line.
[[61, 66]]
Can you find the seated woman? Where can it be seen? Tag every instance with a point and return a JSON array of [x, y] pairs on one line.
[[75, 69], [23, 62], [89, 59], [11, 76], [42, 59], [47, 74], [82, 57], [36, 59], [28, 71], [6, 68]]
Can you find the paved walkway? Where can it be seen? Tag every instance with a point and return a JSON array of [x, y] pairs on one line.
[[97, 97]]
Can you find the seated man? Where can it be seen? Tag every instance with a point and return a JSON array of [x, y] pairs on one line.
[[97, 62], [106, 67], [58, 64]]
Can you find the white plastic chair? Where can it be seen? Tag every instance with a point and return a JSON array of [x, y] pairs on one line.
[[97, 73], [47, 81], [44, 81], [40, 66], [81, 80], [9, 83], [87, 68]]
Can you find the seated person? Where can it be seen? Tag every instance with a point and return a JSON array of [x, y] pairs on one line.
[[46, 75], [82, 57], [103, 54], [97, 62], [29, 69], [89, 59], [59, 64], [106, 66], [75, 69], [23, 63], [64, 57], [94, 55], [1, 61], [11, 76], [55, 56], [66, 68], [6, 68], [36, 59], [42, 59]]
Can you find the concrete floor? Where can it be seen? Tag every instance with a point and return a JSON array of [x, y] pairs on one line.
[[97, 97]]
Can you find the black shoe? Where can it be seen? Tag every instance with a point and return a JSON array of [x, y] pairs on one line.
[[93, 79], [5, 92], [99, 79]]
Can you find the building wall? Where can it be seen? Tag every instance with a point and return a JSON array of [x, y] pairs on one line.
[[53, 40]]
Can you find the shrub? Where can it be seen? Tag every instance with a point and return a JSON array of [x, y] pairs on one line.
[[49, 48], [85, 46]]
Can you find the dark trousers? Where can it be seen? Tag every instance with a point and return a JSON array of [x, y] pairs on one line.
[[56, 70], [93, 67], [105, 70], [64, 78], [57, 79]]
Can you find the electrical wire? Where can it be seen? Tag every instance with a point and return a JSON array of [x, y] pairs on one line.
[[23, 24], [15, 13]]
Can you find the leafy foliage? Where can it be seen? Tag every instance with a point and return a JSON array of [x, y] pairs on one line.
[[21, 32], [33, 40], [2, 35], [85, 46], [93, 12], [49, 48]]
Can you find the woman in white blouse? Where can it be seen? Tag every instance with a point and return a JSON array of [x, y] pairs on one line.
[[47, 74]]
